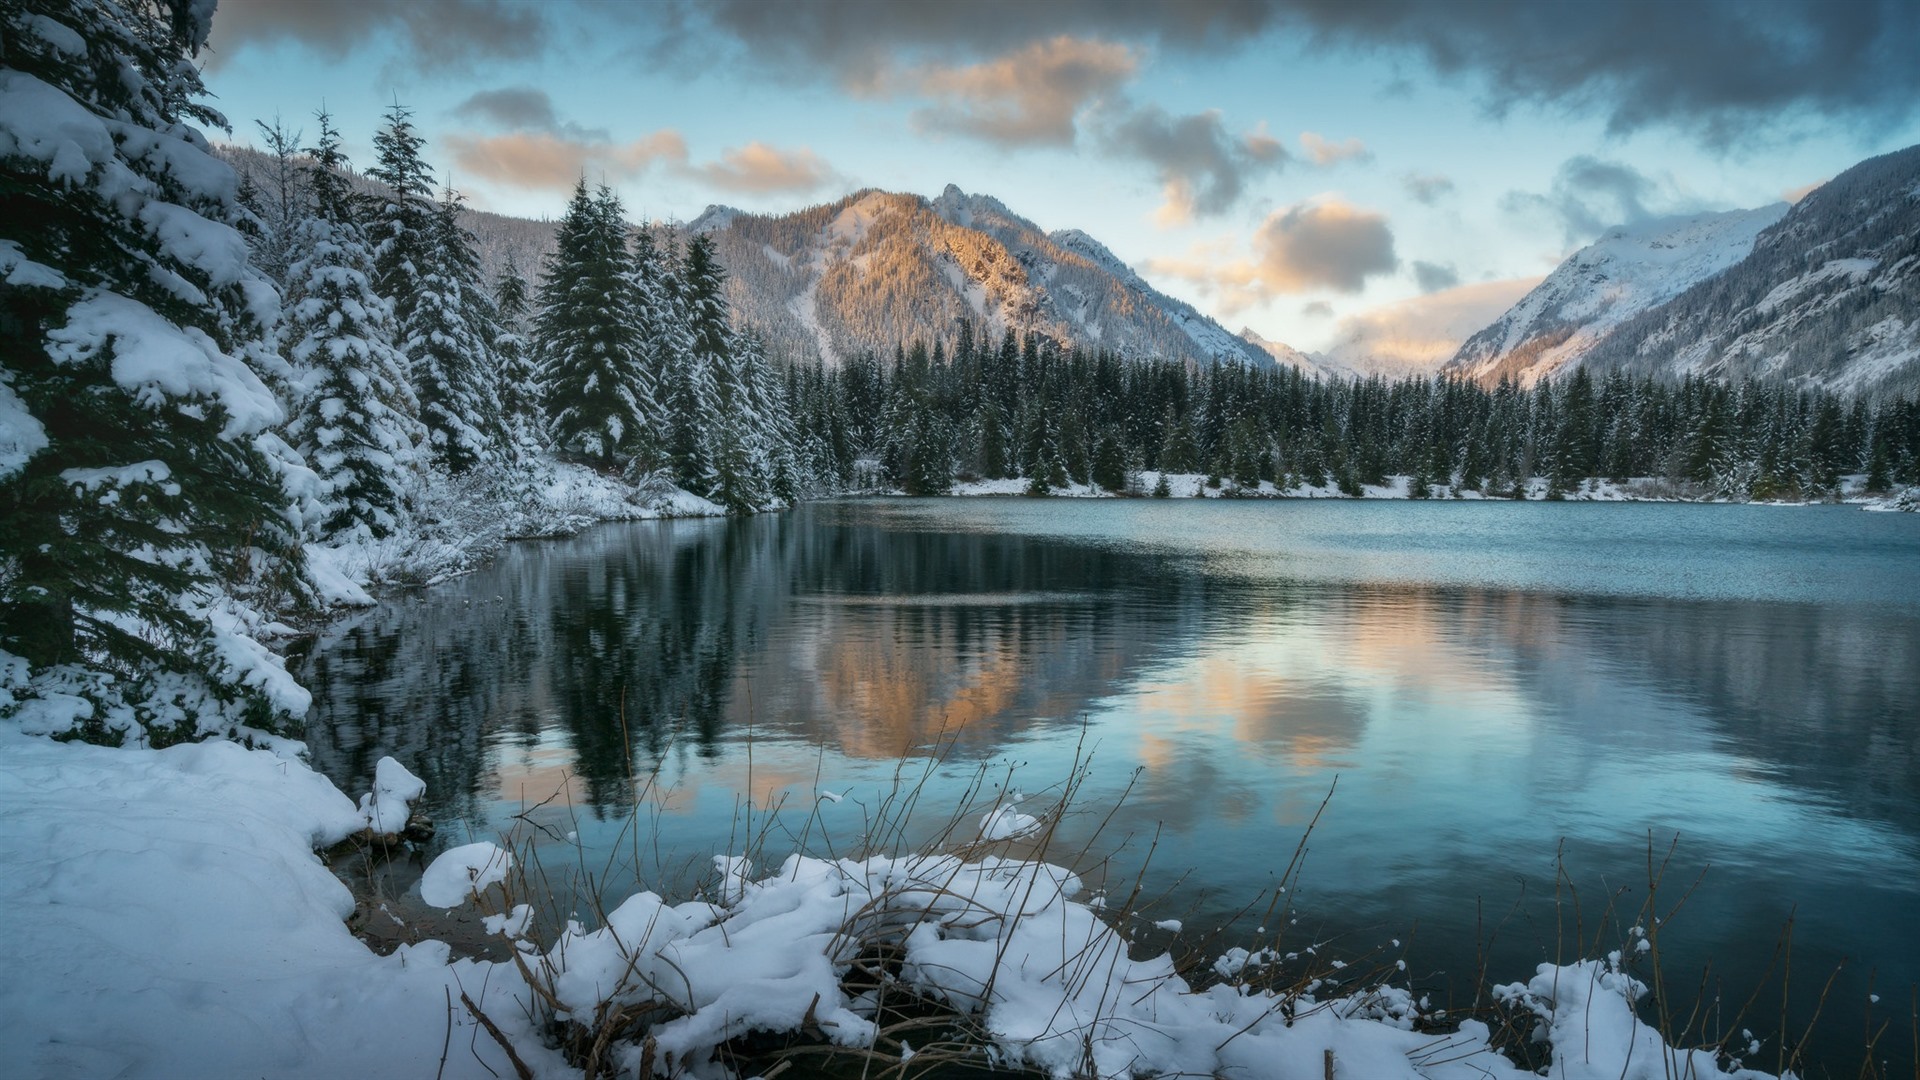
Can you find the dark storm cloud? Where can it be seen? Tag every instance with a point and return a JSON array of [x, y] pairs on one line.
[[856, 36], [435, 33], [1713, 67], [1202, 167]]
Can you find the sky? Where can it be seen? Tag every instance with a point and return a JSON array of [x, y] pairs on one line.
[[1315, 170]]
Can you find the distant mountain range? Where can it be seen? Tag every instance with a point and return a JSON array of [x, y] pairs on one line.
[[1826, 294], [876, 268]]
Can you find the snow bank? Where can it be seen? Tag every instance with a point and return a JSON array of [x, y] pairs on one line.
[[167, 917], [462, 522], [1596, 1035], [1041, 979], [1908, 500]]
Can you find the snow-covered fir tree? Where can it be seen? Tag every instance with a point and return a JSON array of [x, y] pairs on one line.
[[355, 416], [400, 219], [693, 396], [140, 494], [587, 337], [446, 340], [522, 417]]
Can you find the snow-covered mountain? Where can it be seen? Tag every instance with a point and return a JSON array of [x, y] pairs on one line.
[[1625, 272], [1829, 297], [1825, 293], [877, 268], [1283, 353]]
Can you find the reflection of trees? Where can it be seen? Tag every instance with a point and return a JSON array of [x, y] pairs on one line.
[[1824, 695], [633, 638]]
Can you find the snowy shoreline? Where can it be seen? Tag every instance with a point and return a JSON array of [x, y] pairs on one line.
[[175, 920], [1638, 489]]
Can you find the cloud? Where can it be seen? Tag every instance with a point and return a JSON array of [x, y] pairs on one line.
[[1203, 168], [1419, 334], [547, 161], [514, 108], [1317, 245], [1030, 96], [1426, 188], [857, 40], [553, 161], [1325, 152], [1433, 277], [1590, 195], [435, 33], [1718, 69], [1317, 309], [759, 169]]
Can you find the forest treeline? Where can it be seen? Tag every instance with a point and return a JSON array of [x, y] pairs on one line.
[[1021, 407], [622, 353]]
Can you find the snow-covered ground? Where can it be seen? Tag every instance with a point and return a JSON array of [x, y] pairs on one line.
[[168, 917], [466, 521], [1194, 486]]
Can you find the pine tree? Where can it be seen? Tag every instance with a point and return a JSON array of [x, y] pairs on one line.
[[279, 206], [519, 385], [355, 416], [446, 343], [694, 399], [587, 336], [1110, 463], [139, 493], [401, 219]]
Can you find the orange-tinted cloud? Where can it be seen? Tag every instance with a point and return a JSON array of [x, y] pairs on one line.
[[1327, 244], [1419, 334], [543, 160], [759, 169], [1324, 152], [1029, 96]]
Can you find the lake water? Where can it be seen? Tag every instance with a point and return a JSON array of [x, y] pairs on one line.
[[1501, 690]]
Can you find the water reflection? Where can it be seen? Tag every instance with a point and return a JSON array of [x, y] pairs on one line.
[[1242, 657]]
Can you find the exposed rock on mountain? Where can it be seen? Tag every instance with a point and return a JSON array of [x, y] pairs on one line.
[[876, 268]]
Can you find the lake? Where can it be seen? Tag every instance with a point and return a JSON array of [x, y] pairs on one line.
[[1515, 707]]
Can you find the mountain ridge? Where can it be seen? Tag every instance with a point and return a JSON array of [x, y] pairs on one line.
[[875, 268], [1629, 269], [1826, 294]]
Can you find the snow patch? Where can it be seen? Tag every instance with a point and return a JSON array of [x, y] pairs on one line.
[[464, 872]]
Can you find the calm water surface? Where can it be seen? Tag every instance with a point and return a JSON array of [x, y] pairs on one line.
[[1494, 686]]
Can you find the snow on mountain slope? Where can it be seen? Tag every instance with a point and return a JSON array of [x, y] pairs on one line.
[[1287, 355], [1829, 297], [877, 268], [1625, 272]]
